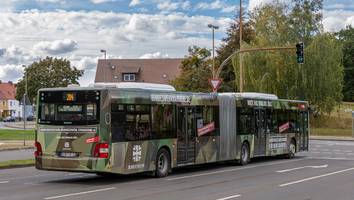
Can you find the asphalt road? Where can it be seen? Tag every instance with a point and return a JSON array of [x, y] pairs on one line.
[[325, 172], [16, 154]]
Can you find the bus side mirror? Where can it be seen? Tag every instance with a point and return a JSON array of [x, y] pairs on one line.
[[107, 118]]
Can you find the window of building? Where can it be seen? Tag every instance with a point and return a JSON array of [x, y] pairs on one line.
[[129, 77]]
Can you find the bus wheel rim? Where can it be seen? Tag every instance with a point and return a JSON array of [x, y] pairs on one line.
[[244, 153], [292, 148], [161, 163]]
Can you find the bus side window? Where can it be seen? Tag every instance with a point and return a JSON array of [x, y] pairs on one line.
[[118, 114], [163, 122]]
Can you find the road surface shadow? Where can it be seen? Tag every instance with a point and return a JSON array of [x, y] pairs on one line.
[[107, 179]]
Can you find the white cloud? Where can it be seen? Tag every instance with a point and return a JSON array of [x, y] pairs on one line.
[[334, 20], [167, 5], [216, 5], [56, 47], [134, 3], [11, 72], [33, 34], [252, 4], [154, 55]]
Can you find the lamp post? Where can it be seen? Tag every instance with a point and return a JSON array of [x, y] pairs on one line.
[[213, 27], [241, 58], [104, 70], [105, 53], [24, 106]]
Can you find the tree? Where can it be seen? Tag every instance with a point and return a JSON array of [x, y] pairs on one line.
[[196, 70], [229, 45], [346, 36], [49, 72], [278, 72]]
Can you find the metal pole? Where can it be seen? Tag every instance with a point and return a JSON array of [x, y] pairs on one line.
[[241, 59], [353, 124], [24, 108], [213, 55]]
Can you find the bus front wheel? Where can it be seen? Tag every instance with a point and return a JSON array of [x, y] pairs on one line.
[[245, 154], [162, 163]]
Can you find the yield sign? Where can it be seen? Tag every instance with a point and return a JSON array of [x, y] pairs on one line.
[[215, 83]]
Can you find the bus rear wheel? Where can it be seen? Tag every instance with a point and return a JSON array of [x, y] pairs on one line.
[[292, 149], [163, 163], [245, 154]]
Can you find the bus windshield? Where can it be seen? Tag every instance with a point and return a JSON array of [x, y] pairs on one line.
[[69, 108]]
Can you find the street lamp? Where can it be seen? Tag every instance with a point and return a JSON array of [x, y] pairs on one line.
[[105, 52], [24, 106], [213, 27]]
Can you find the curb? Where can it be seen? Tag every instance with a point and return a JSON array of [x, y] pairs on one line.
[[16, 148], [333, 139], [16, 166]]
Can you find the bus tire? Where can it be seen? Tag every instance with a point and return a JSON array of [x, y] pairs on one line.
[[245, 154], [292, 149], [163, 163]]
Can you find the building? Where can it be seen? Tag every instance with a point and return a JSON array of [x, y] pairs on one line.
[[9, 106], [138, 70]]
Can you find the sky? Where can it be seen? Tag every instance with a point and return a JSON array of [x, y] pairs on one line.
[[78, 29]]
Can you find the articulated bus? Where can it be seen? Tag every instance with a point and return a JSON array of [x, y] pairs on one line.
[[129, 128]]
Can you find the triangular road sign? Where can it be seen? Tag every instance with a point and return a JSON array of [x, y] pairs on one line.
[[215, 83]]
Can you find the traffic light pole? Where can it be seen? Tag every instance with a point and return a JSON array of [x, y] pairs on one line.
[[249, 50]]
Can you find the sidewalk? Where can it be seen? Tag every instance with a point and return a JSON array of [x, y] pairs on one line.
[[333, 138], [19, 125]]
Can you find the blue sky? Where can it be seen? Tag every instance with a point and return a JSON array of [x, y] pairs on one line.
[[78, 29]]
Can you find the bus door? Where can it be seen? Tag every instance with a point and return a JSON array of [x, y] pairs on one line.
[[260, 131], [186, 133], [303, 131]]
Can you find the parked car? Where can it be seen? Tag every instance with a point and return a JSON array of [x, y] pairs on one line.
[[9, 119], [30, 118]]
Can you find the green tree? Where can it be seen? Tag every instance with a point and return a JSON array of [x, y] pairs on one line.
[[229, 45], [278, 72], [196, 70], [49, 72], [346, 36]]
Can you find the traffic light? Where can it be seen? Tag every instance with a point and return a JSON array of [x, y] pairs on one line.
[[300, 53]]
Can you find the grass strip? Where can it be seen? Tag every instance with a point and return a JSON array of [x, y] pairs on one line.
[[9, 134], [331, 132], [16, 163]]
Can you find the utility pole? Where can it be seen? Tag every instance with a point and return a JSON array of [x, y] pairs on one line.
[[241, 58], [213, 27], [24, 107]]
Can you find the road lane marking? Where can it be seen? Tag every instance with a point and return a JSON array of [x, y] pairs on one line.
[[234, 169], [316, 177], [230, 197], [297, 168], [4, 182], [331, 158], [80, 193]]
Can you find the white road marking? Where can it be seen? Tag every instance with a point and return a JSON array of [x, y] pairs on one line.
[[316, 177], [347, 151], [325, 149], [233, 169], [74, 174], [331, 158], [230, 197], [337, 150], [4, 182], [315, 152], [297, 168], [79, 193]]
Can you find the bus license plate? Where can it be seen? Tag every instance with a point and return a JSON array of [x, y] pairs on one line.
[[68, 154]]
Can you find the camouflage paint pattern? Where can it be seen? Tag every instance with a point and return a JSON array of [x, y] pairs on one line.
[[139, 156]]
